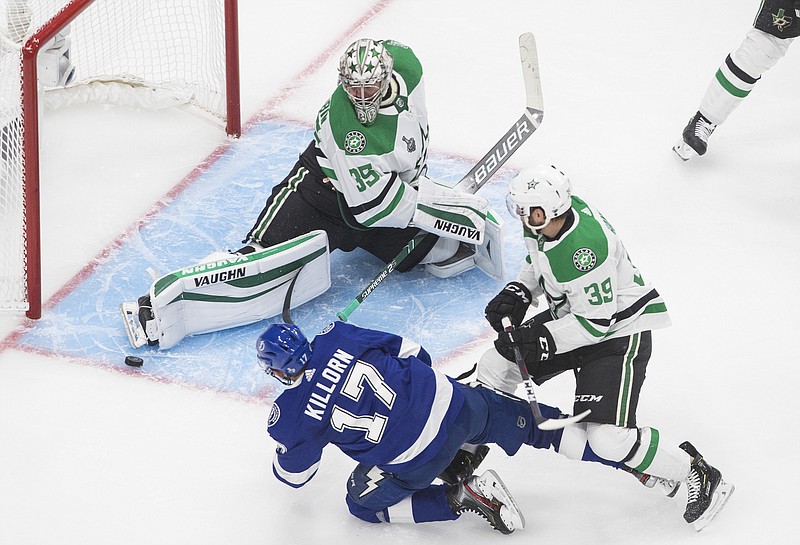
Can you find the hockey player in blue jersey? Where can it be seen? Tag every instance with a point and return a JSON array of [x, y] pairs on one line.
[[375, 396]]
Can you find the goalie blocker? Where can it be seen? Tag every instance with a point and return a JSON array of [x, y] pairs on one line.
[[229, 290]]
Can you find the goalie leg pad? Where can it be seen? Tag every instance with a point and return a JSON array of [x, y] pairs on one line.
[[448, 213], [461, 261], [489, 255], [239, 289]]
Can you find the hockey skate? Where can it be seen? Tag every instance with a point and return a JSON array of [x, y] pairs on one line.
[[707, 492], [464, 464], [668, 487], [462, 261], [139, 321], [694, 140], [488, 497]]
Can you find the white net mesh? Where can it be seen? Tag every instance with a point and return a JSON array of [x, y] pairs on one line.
[[12, 241], [174, 46]]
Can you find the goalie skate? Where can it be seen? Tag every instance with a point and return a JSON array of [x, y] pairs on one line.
[[130, 318]]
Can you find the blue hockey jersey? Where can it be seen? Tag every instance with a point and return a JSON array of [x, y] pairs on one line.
[[372, 394]]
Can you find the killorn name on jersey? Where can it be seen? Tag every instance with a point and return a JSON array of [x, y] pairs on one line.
[[332, 373]]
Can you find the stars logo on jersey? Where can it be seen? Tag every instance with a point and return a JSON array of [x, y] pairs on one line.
[[355, 142], [274, 415], [584, 259], [781, 20], [401, 104]]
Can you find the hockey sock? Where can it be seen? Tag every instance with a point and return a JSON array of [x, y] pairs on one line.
[[427, 505], [740, 72], [653, 456]]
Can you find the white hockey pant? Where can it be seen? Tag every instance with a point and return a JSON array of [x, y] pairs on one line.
[[234, 290], [758, 53]]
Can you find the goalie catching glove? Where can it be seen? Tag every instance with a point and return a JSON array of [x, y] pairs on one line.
[[449, 213], [513, 301], [535, 342]]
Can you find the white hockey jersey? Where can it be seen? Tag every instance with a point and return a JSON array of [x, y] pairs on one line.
[[594, 290], [375, 167]]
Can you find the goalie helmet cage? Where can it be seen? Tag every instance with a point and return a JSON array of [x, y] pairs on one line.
[[186, 50]]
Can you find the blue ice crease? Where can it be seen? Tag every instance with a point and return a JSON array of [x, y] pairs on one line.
[[214, 213]]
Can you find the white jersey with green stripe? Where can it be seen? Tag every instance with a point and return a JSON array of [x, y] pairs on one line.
[[375, 167], [593, 288]]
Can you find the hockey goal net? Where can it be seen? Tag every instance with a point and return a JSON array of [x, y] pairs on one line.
[[145, 53]]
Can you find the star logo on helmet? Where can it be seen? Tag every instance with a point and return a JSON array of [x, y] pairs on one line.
[[532, 184]]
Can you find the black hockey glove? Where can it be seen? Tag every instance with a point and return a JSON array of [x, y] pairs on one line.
[[534, 341], [513, 301]]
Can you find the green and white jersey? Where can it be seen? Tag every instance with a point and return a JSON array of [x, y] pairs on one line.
[[592, 287], [375, 167]]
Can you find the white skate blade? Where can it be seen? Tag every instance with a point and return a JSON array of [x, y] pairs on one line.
[[721, 495], [130, 318], [684, 150], [558, 423], [492, 487]]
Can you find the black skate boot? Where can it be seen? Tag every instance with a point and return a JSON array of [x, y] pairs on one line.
[[667, 486], [695, 137], [488, 497], [464, 464], [147, 319], [706, 491]]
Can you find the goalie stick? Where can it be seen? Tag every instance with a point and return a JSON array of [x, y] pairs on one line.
[[541, 422], [489, 164]]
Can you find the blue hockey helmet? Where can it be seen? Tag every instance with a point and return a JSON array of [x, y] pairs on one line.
[[283, 352]]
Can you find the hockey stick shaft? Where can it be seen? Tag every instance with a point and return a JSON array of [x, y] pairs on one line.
[[484, 169], [287, 299], [541, 422]]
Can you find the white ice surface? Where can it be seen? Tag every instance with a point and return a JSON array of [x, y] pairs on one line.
[[95, 457]]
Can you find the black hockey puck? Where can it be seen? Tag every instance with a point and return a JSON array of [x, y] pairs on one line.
[[134, 361]]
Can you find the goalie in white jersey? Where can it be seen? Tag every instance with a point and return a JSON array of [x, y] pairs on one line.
[[362, 180], [359, 184], [601, 313]]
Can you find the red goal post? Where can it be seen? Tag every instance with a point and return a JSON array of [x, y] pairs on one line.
[[176, 52]]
